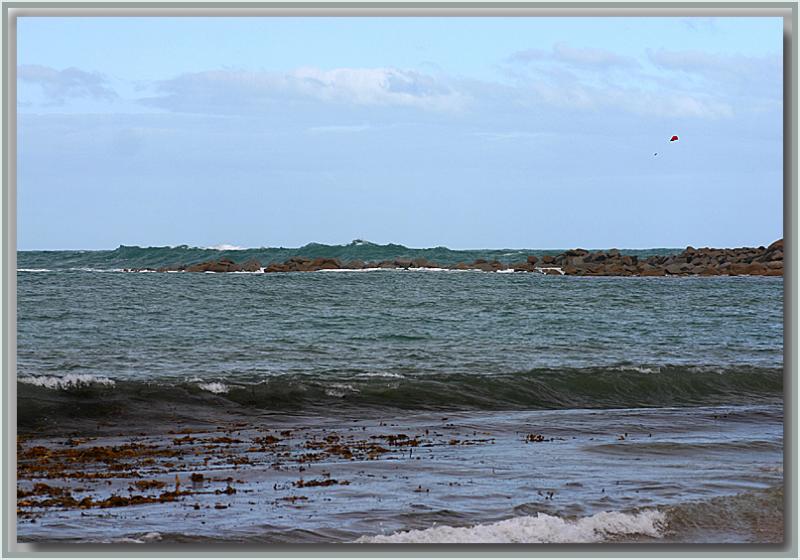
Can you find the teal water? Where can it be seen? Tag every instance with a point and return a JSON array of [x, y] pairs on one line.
[[407, 339]]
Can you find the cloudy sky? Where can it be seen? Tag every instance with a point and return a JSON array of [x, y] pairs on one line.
[[463, 132]]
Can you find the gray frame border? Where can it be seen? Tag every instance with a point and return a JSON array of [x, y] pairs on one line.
[[12, 10]]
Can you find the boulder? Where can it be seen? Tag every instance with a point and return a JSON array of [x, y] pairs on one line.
[[652, 271], [738, 268], [677, 268], [251, 266], [614, 269], [577, 261], [523, 267], [548, 259], [709, 271], [323, 263], [576, 253], [756, 269], [422, 262], [201, 267], [354, 264], [776, 245], [532, 259]]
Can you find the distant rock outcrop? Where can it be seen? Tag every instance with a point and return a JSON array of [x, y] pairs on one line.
[[749, 261]]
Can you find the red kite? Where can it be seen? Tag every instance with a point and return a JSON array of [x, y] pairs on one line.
[[673, 138]]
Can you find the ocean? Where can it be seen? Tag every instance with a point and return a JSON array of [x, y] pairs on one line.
[[474, 406]]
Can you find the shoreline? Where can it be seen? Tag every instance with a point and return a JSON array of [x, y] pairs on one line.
[[746, 261], [458, 475]]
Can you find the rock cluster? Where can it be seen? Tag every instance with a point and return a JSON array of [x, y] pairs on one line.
[[760, 261]]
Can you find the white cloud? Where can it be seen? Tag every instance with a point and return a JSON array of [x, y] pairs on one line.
[[746, 73], [58, 85], [224, 90], [586, 58]]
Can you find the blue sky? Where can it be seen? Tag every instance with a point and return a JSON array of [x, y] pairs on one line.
[[464, 132]]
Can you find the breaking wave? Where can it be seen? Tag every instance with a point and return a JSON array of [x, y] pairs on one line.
[[754, 516], [540, 528], [596, 388], [131, 256]]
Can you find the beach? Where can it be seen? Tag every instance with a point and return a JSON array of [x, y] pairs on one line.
[[397, 406]]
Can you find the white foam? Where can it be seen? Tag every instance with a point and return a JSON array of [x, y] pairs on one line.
[[215, 387], [69, 381], [540, 528], [340, 389], [226, 247], [259, 271], [34, 270], [543, 268], [145, 538], [381, 374]]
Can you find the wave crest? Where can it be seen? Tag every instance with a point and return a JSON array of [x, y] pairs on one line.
[[540, 528]]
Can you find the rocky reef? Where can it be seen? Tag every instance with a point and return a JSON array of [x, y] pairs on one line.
[[758, 261]]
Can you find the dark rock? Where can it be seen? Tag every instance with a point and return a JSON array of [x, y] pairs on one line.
[[576, 253], [758, 269], [532, 259], [197, 267], [652, 271], [326, 264], [422, 262], [523, 267], [677, 268]]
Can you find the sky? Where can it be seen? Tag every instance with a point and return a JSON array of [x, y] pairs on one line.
[[535, 132]]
